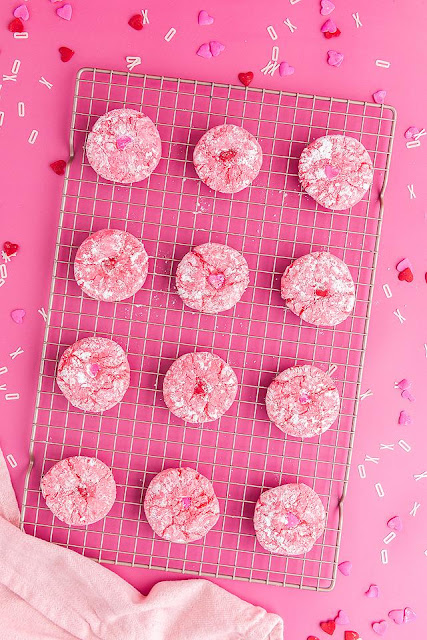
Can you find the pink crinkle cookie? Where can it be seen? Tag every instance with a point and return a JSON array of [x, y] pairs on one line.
[[212, 278], [318, 288], [79, 490], [303, 401], [289, 519], [93, 374], [124, 146], [227, 158], [199, 387], [336, 171], [181, 505], [111, 265]]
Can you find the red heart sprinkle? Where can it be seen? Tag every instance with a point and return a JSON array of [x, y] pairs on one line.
[[321, 293], [16, 26], [136, 22], [66, 53], [351, 635], [425, 277], [312, 638], [58, 167], [9, 248], [332, 34], [406, 275], [246, 78], [328, 626]]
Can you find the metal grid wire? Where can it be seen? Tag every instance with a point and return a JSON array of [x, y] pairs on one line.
[[272, 222]]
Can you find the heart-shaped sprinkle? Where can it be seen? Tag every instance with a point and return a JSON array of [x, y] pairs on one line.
[[216, 280], [304, 398], [285, 69], [136, 22], [312, 638], [122, 142], [18, 315], [409, 615], [65, 12], [345, 567], [58, 167], [335, 58], [404, 418], [186, 501], [332, 34], [204, 51], [407, 395], [66, 53], [397, 615], [246, 78], [342, 618], [331, 172], [292, 520], [395, 523], [411, 133], [380, 627], [406, 275], [329, 25], [351, 635], [322, 293], [403, 384], [403, 264], [326, 7], [216, 48], [10, 248], [204, 18], [22, 12], [16, 26], [379, 96], [94, 369], [328, 626], [373, 591]]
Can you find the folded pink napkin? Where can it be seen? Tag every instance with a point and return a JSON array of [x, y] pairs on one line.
[[48, 592]]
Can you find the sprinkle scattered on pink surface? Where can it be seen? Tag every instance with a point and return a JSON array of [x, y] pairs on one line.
[[379, 96], [395, 524], [65, 12], [18, 315], [204, 18], [335, 58], [404, 418], [326, 7], [345, 567], [373, 591]]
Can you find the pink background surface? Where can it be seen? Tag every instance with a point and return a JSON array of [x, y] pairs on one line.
[[30, 199]]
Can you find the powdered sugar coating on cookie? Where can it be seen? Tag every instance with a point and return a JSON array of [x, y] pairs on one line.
[[199, 387], [93, 374], [289, 519], [181, 505], [111, 265], [79, 490], [124, 146], [227, 158], [318, 288], [212, 278], [303, 401], [336, 171]]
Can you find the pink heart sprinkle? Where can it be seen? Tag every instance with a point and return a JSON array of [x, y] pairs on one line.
[[65, 12], [216, 280], [409, 615], [285, 69], [331, 172], [407, 395], [380, 627], [186, 502], [204, 18], [18, 315], [395, 523], [403, 264], [373, 591], [204, 51], [379, 96], [292, 520], [216, 47], [345, 567], [411, 132], [403, 384], [342, 618], [397, 615], [404, 418], [304, 398], [329, 26], [22, 12], [326, 7], [335, 58], [94, 369], [122, 142]]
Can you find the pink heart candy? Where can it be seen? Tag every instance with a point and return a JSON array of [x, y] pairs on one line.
[[404, 418], [397, 615], [292, 520], [18, 315], [216, 48], [285, 69], [204, 18], [403, 264], [22, 12], [342, 618], [411, 132], [186, 501], [380, 627], [407, 395], [326, 7], [329, 26], [94, 369], [331, 172], [204, 51], [65, 12], [395, 523], [335, 58], [373, 591], [216, 280], [409, 615], [379, 96], [403, 384], [122, 142], [345, 567]]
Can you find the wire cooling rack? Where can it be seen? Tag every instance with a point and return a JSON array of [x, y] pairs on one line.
[[272, 222]]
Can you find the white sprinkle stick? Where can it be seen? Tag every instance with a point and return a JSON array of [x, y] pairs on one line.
[[270, 68], [132, 62], [367, 394], [9, 78], [399, 315], [332, 369], [374, 460], [415, 508], [425, 348], [2, 282], [413, 143], [382, 63], [417, 476], [379, 489], [11, 396], [294, 1], [387, 291], [362, 471], [15, 66], [275, 54], [1, 117], [3, 271], [145, 19], [405, 446], [11, 460], [3, 387], [33, 136], [272, 32], [16, 353], [387, 446], [3, 370], [21, 109], [23, 35], [43, 313], [384, 556], [170, 34], [47, 84], [389, 537], [356, 18], [289, 24], [418, 135], [411, 191]]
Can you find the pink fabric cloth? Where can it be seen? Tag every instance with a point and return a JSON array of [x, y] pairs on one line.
[[48, 592]]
